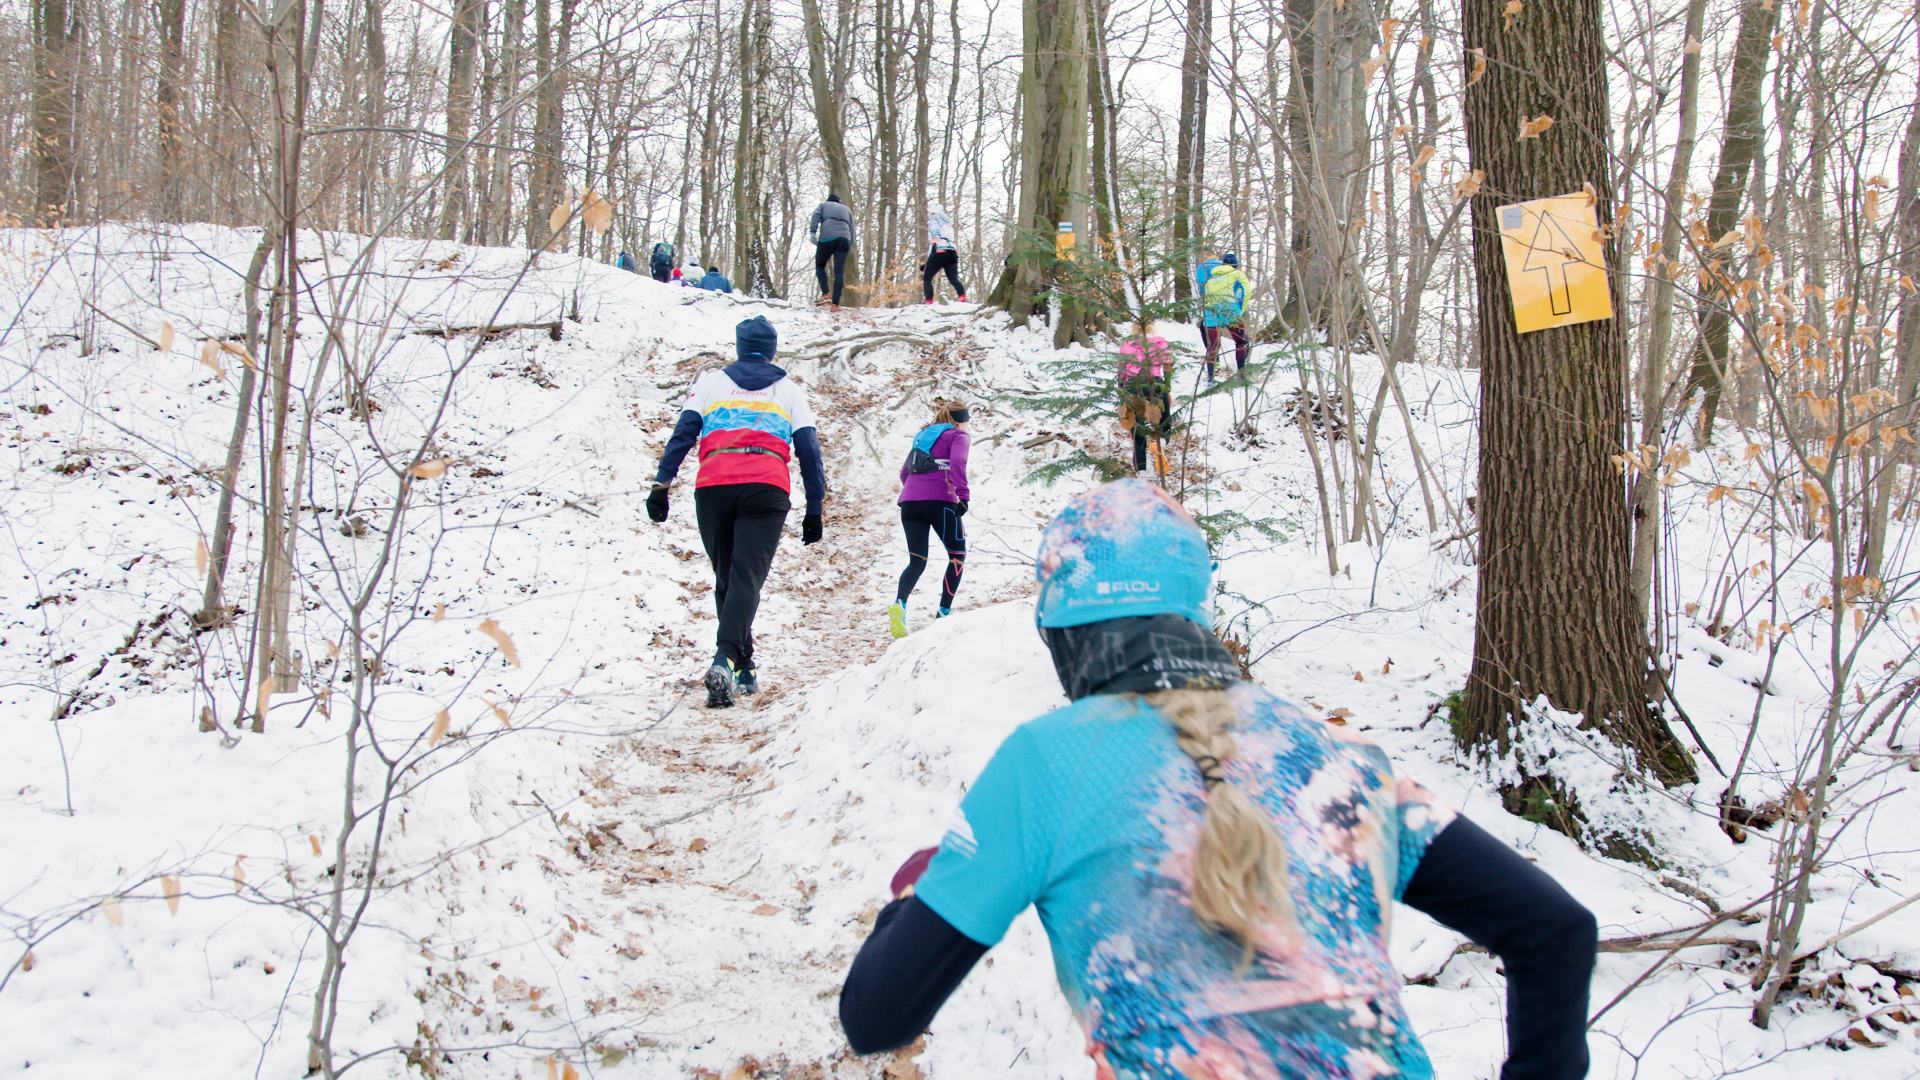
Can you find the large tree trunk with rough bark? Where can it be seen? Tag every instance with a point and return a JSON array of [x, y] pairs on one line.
[[56, 45], [1053, 153], [463, 50], [1555, 616], [826, 110]]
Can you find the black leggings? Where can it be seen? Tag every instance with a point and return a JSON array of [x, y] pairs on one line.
[[917, 516], [740, 527], [835, 249], [948, 260]]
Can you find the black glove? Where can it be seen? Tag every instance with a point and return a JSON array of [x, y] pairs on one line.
[[963, 508], [657, 505], [810, 529]]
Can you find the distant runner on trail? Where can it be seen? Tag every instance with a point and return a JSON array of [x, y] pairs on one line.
[[1213, 867], [831, 230], [944, 255], [933, 497], [1146, 387], [660, 263], [748, 420], [1225, 301]]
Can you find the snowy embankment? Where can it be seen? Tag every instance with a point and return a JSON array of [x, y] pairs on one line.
[[592, 865]]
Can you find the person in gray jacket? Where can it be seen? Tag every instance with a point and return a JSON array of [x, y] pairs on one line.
[[832, 233]]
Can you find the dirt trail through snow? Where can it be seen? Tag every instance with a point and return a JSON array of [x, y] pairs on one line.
[[670, 916]]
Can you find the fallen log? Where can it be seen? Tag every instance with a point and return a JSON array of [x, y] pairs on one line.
[[492, 331]]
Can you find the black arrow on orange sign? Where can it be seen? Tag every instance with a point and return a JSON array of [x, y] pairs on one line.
[[1546, 258]]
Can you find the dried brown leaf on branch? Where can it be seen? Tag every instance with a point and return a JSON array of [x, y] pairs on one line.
[[1425, 155], [314, 839], [500, 638], [170, 888], [210, 356], [110, 907], [1693, 45], [1479, 66], [1871, 205], [200, 555], [240, 351], [560, 216], [427, 470], [166, 337], [1512, 9], [439, 729], [1470, 186], [239, 873], [597, 212], [1531, 127]]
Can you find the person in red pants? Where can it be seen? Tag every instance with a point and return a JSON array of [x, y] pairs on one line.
[[1225, 309]]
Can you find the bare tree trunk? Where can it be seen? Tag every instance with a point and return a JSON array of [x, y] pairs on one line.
[[1907, 339], [753, 275], [172, 17], [56, 40], [1555, 617], [287, 71], [507, 128], [826, 106], [1752, 45], [463, 48], [547, 187], [1189, 155], [922, 130], [1647, 518], [1053, 151], [213, 608]]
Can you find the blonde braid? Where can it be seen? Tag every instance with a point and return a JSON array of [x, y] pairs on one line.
[[1240, 869]]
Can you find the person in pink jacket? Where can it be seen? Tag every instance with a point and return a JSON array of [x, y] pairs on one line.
[[933, 498], [1146, 375]]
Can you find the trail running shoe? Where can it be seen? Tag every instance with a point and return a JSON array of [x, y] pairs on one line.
[[748, 682], [943, 613], [897, 620], [721, 685], [963, 298]]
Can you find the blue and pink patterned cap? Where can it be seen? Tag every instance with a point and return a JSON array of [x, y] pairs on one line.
[[1123, 549]]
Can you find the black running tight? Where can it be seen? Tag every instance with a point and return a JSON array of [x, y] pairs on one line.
[[918, 517]]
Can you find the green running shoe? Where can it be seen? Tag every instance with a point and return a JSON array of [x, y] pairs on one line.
[[897, 619]]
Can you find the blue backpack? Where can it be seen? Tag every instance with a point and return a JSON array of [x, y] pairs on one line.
[[920, 459]]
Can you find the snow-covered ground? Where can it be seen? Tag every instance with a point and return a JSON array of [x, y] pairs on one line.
[[589, 868]]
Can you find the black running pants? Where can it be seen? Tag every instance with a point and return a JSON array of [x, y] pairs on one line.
[[835, 249], [740, 526], [918, 517], [948, 260]]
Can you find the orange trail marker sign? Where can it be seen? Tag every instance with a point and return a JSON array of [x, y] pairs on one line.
[[1556, 267]]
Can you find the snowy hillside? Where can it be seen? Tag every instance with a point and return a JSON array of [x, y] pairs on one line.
[[580, 864]]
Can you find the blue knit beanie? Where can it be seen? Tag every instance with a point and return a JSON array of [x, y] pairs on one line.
[[1230, 259], [755, 339], [1123, 549]]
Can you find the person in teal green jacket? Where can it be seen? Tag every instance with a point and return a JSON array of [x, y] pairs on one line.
[[1224, 307]]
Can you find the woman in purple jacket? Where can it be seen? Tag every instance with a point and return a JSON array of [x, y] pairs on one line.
[[933, 497]]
